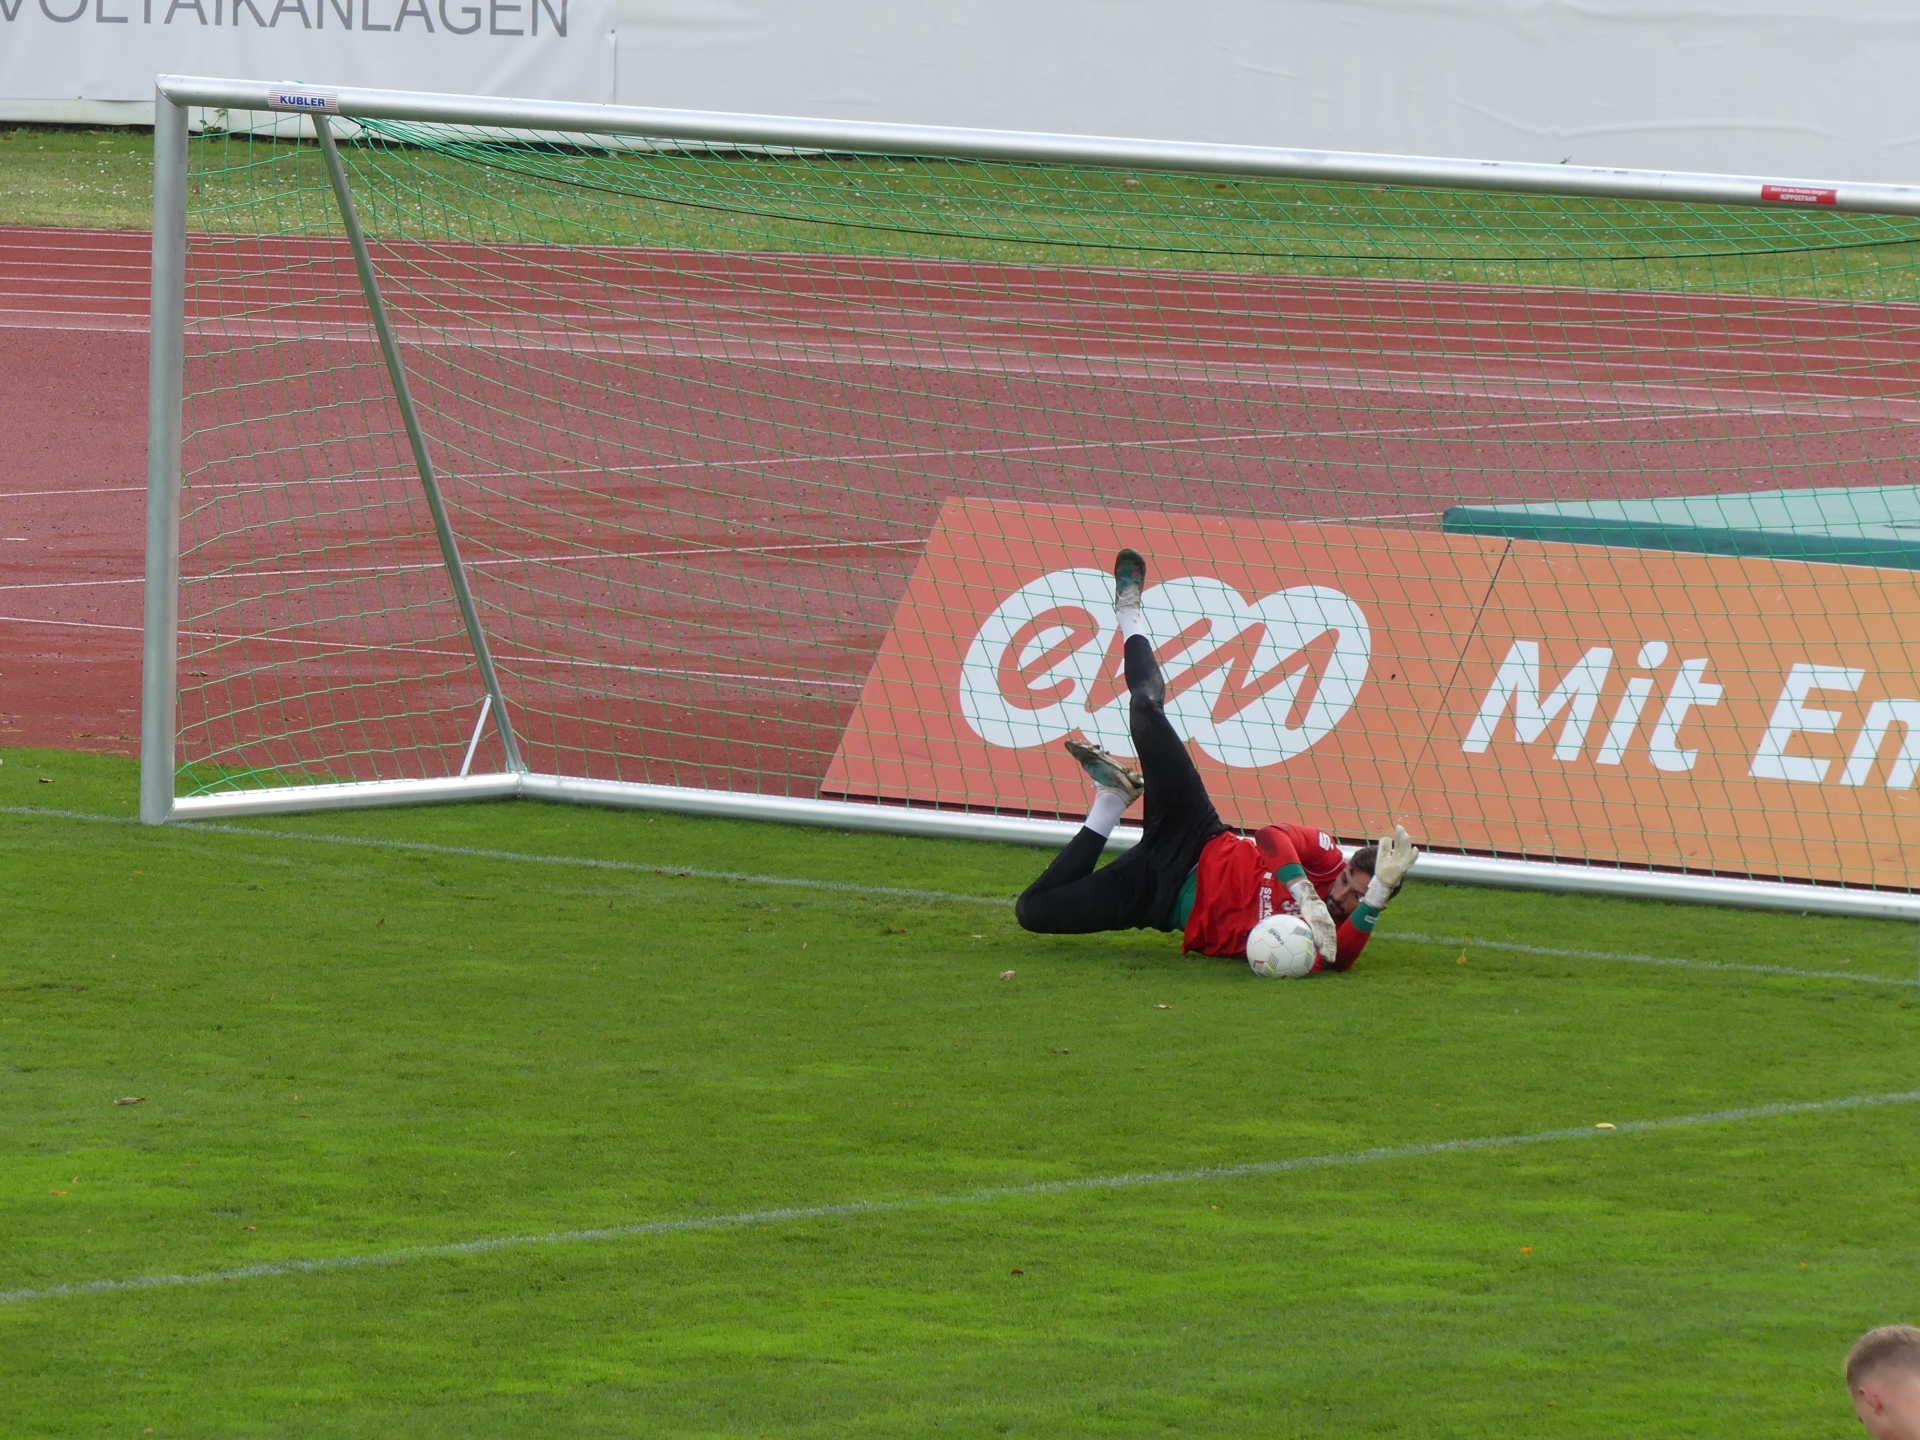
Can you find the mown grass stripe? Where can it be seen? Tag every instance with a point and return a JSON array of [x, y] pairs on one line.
[[798, 1213]]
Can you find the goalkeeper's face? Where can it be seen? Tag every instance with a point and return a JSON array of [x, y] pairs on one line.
[[1347, 891]]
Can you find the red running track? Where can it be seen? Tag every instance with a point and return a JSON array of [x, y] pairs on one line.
[[73, 357], [739, 456]]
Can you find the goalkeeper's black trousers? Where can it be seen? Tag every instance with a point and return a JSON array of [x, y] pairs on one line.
[[1136, 891]]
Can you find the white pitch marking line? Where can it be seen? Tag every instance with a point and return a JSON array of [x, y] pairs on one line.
[[686, 872], [1629, 958], [421, 847], [788, 1214], [1414, 937]]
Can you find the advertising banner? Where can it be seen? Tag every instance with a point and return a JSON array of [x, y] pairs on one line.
[[112, 49], [1553, 701]]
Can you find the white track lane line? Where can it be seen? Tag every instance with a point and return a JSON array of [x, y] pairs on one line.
[[507, 659], [70, 624], [799, 349], [801, 1213], [495, 562], [1413, 937], [1557, 419]]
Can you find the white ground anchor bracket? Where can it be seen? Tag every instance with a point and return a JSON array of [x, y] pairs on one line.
[[479, 728]]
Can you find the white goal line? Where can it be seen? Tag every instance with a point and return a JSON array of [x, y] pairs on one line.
[[896, 892]]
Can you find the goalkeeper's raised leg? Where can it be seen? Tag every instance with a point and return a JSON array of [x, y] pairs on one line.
[[1190, 872]]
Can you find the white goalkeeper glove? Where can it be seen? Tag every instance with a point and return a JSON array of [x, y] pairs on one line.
[[1319, 919], [1396, 854]]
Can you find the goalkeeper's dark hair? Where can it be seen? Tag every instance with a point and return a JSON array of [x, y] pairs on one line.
[[1367, 858]]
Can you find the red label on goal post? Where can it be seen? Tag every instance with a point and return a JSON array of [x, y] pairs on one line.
[[1799, 195], [1558, 701]]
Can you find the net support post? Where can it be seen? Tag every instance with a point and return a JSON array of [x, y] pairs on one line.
[[416, 438], [160, 625]]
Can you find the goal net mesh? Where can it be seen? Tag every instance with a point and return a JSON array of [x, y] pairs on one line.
[[696, 411]]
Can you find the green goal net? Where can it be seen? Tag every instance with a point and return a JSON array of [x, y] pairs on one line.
[[1570, 527]]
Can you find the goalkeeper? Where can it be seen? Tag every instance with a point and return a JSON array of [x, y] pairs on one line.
[[1190, 872]]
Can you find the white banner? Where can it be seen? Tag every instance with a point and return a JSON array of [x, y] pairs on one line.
[[112, 49], [1801, 89]]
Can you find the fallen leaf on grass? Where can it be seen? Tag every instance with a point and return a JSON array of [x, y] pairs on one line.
[[1051, 1051], [249, 1227], [1158, 1006], [1526, 1249], [1605, 1125], [46, 780], [130, 1100], [1006, 974], [1016, 1272], [56, 1192], [1463, 958]]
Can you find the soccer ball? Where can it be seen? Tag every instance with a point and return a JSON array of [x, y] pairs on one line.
[[1281, 948]]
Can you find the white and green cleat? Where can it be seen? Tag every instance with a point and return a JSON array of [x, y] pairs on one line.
[[1107, 772], [1129, 579]]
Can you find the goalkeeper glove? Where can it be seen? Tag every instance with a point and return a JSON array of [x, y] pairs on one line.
[[1395, 857], [1319, 919]]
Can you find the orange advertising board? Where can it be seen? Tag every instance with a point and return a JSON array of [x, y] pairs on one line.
[[1712, 712], [1555, 701]]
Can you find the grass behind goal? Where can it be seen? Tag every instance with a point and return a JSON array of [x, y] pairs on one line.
[[355, 1035]]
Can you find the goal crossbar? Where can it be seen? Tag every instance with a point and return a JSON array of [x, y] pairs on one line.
[[867, 137]]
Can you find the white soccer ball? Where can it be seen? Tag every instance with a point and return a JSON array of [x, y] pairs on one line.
[[1281, 948]]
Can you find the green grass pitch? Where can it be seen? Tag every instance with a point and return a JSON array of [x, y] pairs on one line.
[[359, 1052]]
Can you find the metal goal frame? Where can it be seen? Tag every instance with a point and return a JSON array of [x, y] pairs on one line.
[[159, 713]]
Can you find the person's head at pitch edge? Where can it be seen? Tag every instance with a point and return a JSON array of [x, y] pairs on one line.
[[1883, 1379]]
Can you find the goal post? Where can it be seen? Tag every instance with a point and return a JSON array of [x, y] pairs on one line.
[[768, 467]]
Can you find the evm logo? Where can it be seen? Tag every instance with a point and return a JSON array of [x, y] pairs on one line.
[[1251, 683]]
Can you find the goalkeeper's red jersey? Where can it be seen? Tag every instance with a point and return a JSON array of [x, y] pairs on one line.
[[1243, 879]]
